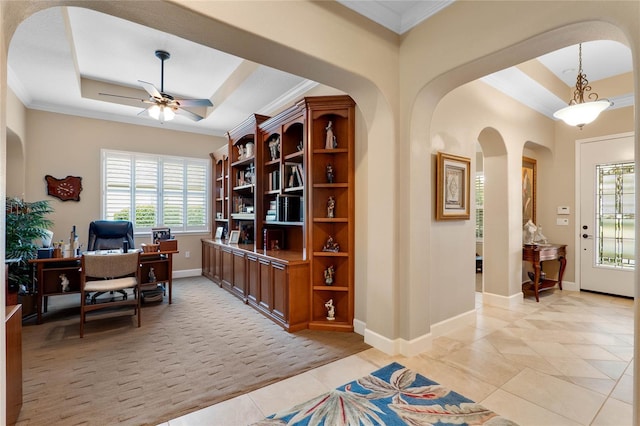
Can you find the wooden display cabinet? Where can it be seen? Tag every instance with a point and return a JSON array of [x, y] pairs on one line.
[[339, 185], [220, 207], [282, 179], [288, 196], [243, 176]]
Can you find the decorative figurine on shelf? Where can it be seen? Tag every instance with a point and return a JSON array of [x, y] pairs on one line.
[[275, 245], [152, 275], [300, 146], [528, 232], [274, 148], [330, 174], [328, 275], [330, 140], [248, 150], [64, 282], [331, 310], [331, 205], [331, 245], [539, 237], [240, 152]]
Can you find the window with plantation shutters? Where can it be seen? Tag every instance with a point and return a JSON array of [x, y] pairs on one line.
[[154, 190]]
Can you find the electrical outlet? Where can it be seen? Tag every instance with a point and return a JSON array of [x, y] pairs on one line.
[[187, 254]]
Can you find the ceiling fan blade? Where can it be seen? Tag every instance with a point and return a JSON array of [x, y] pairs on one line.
[[144, 112], [151, 89], [190, 115], [193, 102], [125, 97]]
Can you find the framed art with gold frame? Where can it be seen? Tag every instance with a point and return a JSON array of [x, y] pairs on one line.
[[529, 179], [452, 187]]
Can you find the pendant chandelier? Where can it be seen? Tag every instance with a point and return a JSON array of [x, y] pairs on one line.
[[581, 112]]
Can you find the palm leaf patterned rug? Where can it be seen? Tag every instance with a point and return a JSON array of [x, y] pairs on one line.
[[393, 395]]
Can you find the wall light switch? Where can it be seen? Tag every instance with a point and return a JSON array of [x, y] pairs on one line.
[[563, 210], [562, 221]]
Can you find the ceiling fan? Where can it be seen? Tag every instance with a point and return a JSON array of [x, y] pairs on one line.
[[163, 106]]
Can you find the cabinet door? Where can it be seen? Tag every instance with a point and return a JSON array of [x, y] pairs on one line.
[[206, 260], [280, 299], [217, 263], [239, 274], [227, 268], [266, 285], [253, 280]]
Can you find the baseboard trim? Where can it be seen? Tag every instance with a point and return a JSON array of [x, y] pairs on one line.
[[419, 344], [502, 301], [570, 286], [359, 327], [186, 273], [462, 320]]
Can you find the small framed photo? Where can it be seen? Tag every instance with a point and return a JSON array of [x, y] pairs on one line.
[[452, 187], [234, 237], [219, 231]]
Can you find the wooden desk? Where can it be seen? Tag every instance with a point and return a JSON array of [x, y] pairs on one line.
[[48, 273], [536, 254]]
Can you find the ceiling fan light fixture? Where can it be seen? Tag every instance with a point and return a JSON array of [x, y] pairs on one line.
[[581, 112], [161, 113]]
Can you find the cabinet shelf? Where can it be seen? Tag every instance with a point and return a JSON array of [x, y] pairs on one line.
[[330, 254], [276, 222], [243, 162], [330, 288], [331, 151], [298, 154], [330, 219], [294, 189], [331, 185], [272, 162], [244, 187], [243, 216]]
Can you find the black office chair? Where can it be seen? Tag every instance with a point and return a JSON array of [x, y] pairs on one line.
[[110, 235]]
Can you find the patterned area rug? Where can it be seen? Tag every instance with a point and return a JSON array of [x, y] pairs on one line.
[[393, 395]]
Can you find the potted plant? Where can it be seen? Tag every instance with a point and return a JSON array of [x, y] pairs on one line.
[[26, 223]]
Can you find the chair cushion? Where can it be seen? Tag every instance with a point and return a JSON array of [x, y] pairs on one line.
[[111, 285]]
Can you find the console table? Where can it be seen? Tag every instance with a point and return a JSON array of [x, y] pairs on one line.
[[536, 254], [48, 273]]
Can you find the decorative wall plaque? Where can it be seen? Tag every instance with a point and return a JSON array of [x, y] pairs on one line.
[[67, 189]]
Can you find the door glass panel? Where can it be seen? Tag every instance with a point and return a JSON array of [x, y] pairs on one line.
[[615, 215]]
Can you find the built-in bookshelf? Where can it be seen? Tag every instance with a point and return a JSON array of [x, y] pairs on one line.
[[291, 194], [220, 196], [331, 218], [243, 177]]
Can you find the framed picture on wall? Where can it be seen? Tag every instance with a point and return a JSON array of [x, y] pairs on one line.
[[452, 187], [529, 179]]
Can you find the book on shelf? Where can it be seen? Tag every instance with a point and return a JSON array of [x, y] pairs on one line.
[[243, 216]]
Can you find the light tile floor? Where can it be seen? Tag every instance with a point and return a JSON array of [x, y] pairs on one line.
[[564, 361]]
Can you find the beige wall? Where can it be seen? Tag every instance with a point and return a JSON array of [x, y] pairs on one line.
[[62, 145]]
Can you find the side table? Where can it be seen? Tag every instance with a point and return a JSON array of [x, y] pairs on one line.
[[536, 254]]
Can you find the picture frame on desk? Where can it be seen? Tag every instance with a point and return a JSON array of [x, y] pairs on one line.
[[234, 237], [453, 186], [158, 234]]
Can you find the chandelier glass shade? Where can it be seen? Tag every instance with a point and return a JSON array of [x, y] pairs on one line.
[[581, 112], [162, 113]]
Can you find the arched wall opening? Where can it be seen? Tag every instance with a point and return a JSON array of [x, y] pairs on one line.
[[426, 138], [375, 274]]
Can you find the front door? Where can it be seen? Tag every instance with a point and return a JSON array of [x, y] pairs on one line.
[[607, 215]]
